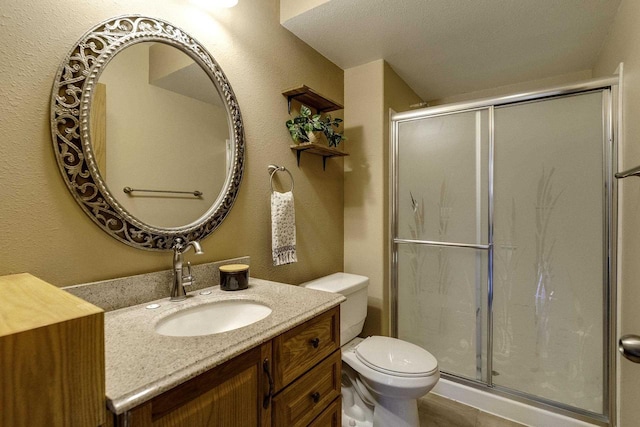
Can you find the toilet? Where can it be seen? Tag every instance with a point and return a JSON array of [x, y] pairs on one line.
[[382, 377]]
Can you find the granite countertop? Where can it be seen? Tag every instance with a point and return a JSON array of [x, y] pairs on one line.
[[141, 364]]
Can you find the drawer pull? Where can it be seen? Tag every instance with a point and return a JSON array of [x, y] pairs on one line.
[[267, 399], [315, 342], [315, 397]]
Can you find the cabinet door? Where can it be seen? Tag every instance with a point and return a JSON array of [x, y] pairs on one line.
[[229, 395]]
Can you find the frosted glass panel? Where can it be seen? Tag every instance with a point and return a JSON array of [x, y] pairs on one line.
[[442, 178], [438, 292], [548, 253]]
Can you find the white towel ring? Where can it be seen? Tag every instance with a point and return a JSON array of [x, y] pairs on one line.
[[273, 169]]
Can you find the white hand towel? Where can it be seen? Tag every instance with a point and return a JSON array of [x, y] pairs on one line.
[[283, 228]]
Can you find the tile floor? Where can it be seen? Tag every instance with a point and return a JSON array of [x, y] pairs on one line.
[[437, 411]]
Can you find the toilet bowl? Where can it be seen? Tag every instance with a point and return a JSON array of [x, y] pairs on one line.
[[382, 377]]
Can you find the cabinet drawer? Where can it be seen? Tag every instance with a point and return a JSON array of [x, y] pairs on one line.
[[299, 349], [305, 399], [330, 417]]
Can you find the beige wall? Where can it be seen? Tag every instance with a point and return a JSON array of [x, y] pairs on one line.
[[521, 87], [44, 232], [364, 182], [370, 91], [624, 46]]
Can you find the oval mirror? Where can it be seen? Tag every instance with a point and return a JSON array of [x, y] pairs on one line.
[[147, 132]]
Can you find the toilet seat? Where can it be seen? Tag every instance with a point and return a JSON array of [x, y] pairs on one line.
[[395, 357], [391, 385]]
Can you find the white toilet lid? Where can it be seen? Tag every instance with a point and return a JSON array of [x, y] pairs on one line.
[[396, 357]]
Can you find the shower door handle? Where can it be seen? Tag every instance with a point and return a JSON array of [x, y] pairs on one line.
[[629, 346]]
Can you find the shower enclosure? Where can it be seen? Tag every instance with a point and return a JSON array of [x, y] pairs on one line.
[[503, 246]]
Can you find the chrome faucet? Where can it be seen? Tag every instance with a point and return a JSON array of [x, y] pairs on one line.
[[179, 281]]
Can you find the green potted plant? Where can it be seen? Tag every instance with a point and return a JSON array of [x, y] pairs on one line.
[[303, 127]]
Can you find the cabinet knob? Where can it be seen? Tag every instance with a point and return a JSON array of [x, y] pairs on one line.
[[315, 397], [315, 342]]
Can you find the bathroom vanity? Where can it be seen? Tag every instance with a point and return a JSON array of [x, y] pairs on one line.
[[281, 370]]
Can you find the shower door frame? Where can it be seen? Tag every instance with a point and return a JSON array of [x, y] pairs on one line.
[[609, 89]]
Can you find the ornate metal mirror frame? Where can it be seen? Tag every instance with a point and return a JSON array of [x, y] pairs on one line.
[[70, 114]]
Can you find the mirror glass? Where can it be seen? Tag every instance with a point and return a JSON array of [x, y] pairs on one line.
[[147, 132], [159, 124]]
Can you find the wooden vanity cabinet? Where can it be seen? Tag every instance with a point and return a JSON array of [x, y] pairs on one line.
[[307, 368], [292, 380]]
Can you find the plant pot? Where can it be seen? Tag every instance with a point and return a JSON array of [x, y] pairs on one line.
[[314, 136]]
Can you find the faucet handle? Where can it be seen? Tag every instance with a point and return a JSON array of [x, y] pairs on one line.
[[188, 280]]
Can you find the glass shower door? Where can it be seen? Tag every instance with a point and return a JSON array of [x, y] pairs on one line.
[[503, 257], [549, 247], [442, 239]]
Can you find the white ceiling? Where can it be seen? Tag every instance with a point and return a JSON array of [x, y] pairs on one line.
[[443, 48]]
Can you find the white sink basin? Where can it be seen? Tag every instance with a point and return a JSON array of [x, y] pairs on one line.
[[212, 318]]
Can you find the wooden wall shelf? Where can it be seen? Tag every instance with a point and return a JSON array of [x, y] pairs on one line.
[[309, 97], [317, 149]]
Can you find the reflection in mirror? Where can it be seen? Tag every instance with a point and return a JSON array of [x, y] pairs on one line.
[[166, 130], [137, 103]]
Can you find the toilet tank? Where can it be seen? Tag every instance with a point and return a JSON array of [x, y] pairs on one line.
[[354, 310]]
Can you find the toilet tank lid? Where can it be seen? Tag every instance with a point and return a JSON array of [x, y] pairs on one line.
[[340, 283]]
